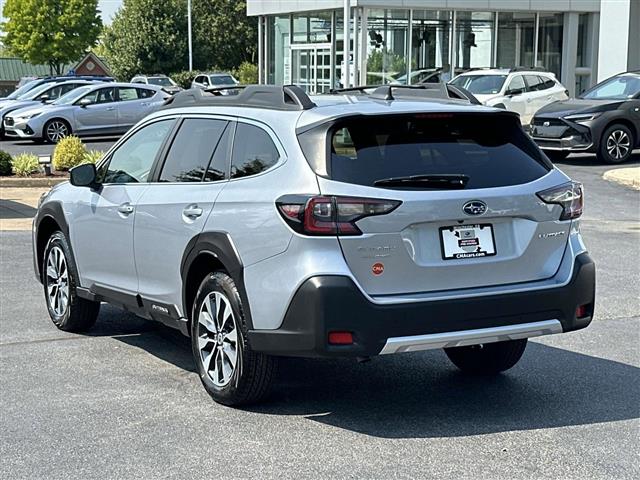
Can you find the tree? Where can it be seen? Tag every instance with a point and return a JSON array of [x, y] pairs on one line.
[[223, 34], [147, 36], [50, 32]]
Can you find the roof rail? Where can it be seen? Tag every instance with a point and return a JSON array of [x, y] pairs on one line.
[[275, 97], [528, 69], [420, 91]]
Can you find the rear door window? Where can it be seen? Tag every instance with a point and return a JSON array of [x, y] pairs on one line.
[[534, 83], [492, 150], [192, 150]]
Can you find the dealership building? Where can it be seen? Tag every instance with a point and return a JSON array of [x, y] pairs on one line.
[[581, 41]]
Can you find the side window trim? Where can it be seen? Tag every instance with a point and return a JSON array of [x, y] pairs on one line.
[[282, 154], [107, 158]]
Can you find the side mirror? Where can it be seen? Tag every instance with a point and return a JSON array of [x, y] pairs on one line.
[[44, 98], [513, 92], [85, 102], [83, 175]]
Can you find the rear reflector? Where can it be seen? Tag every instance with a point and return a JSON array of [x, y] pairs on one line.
[[340, 338], [582, 311]]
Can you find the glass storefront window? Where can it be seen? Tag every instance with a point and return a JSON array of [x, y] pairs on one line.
[[312, 28], [387, 50], [474, 33], [516, 37], [429, 47], [550, 42], [278, 29]]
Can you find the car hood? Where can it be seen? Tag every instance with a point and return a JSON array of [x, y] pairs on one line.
[[12, 105], [38, 109], [483, 98], [572, 106]]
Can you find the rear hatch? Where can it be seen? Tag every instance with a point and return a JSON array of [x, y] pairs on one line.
[[469, 215]]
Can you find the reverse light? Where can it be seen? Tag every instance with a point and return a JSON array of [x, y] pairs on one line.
[[330, 215], [568, 195]]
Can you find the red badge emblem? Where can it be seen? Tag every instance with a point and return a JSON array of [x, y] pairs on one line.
[[377, 268]]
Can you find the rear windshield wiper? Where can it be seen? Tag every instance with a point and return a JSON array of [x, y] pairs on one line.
[[451, 181]]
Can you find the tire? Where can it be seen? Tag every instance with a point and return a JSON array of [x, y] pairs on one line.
[[55, 130], [232, 376], [556, 155], [487, 359], [60, 279], [616, 144]]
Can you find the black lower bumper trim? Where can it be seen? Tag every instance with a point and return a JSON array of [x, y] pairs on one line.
[[334, 303]]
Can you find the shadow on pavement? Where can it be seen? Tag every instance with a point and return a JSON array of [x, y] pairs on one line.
[[592, 160], [421, 394], [10, 210]]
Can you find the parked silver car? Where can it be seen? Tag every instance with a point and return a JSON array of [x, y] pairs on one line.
[[213, 80], [45, 93], [164, 82], [90, 110]]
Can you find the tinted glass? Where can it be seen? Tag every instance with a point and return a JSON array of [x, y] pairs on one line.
[[162, 81], [492, 150], [534, 82], [103, 95], [222, 80], [253, 151], [480, 84], [127, 93], [547, 84], [145, 92], [192, 149], [132, 161], [73, 95], [219, 164]]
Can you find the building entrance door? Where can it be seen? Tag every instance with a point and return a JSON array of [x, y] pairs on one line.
[[311, 67]]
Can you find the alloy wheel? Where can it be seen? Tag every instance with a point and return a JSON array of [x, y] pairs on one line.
[[57, 281], [218, 338], [618, 144], [56, 131]]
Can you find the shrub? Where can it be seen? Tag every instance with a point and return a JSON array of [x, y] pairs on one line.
[[184, 78], [69, 152], [5, 163], [93, 156], [25, 164], [246, 73]]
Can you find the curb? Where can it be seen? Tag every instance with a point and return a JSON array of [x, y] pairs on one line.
[[30, 182], [629, 177]]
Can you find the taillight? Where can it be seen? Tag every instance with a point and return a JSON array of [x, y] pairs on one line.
[[568, 195], [329, 215]]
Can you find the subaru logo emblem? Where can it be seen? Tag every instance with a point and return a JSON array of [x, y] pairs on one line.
[[546, 124], [474, 207]]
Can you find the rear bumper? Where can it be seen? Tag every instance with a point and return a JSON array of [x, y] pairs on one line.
[[334, 303]]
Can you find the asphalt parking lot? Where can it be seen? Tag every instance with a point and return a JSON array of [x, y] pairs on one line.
[[124, 401], [16, 147]]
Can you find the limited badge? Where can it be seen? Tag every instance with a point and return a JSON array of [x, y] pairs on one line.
[[377, 268]]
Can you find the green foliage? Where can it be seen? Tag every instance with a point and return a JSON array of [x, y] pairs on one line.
[[50, 32], [383, 66], [25, 164], [69, 152], [5, 163], [150, 36], [246, 73], [92, 156], [147, 36], [184, 78]]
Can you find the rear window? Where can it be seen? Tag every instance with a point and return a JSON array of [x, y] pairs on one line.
[[491, 150]]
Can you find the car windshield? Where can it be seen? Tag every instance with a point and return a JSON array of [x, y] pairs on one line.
[[22, 90], [34, 92], [617, 88], [73, 95], [480, 84], [222, 80], [161, 81]]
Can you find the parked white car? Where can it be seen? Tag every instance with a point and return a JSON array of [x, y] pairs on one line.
[[523, 91], [213, 80]]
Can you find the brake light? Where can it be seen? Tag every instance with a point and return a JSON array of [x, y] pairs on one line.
[[329, 215], [568, 195]]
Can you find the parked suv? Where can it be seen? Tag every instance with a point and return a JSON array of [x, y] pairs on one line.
[[519, 90], [273, 224], [162, 81], [213, 80]]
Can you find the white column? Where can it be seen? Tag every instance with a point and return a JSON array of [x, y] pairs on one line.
[[569, 51], [260, 50], [613, 40], [364, 40]]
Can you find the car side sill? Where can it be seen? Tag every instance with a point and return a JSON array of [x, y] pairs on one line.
[[470, 337]]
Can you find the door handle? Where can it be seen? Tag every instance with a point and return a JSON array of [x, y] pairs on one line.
[[144, 104], [110, 109], [125, 209], [192, 211]]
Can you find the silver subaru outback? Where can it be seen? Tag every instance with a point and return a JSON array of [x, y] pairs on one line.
[[360, 223]]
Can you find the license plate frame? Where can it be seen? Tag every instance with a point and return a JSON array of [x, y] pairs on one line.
[[471, 239]]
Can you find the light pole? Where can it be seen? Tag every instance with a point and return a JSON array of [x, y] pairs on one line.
[[189, 35], [346, 42]]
